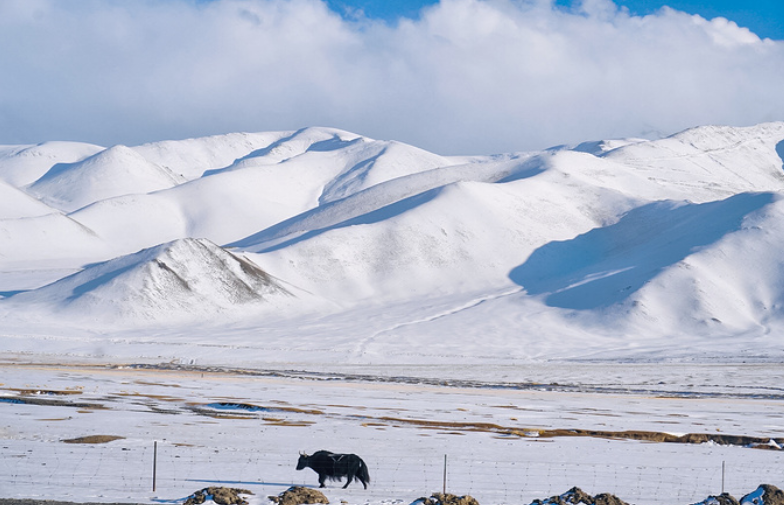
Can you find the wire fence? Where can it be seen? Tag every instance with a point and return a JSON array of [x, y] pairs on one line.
[[126, 470]]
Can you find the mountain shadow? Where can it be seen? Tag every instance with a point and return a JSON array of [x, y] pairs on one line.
[[780, 152], [374, 216], [606, 265]]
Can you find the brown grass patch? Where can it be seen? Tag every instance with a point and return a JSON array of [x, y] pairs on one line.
[[650, 436], [285, 422], [163, 398], [93, 439], [47, 392], [148, 383], [50, 402]]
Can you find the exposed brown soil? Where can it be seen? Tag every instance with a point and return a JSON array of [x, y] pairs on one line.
[[298, 496]]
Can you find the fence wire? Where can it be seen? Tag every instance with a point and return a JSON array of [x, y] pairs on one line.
[[126, 470]]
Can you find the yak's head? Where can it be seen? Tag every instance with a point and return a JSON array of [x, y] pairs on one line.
[[303, 461]]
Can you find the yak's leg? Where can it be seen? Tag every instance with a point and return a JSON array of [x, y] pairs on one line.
[[322, 478], [349, 478]]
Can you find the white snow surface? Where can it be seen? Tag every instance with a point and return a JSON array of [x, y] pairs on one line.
[[618, 249], [319, 289]]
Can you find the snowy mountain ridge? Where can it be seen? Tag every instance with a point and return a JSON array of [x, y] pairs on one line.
[[614, 249]]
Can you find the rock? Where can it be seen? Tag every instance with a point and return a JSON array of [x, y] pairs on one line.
[[607, 499], [765, 494], [576, 495], [722, 499], [299, 495], [220, 495], [447, 499]]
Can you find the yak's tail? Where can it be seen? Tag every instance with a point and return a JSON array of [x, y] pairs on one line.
[[362, 473]]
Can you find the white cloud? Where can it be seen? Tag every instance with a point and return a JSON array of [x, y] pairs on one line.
[[470, 76]]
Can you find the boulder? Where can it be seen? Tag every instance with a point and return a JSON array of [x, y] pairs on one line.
[[220, 495], [722, 499], [765, 494], [447, 499], [299, 495], [576, 495]]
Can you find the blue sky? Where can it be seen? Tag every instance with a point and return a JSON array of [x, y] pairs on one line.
[[764, 17], [460, 77]]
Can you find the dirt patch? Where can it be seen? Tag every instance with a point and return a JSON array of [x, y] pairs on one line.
[[220, 495], [299, 495], [93, 439], [447, 499]]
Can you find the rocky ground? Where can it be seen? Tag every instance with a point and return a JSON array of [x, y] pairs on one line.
[[765, 494]]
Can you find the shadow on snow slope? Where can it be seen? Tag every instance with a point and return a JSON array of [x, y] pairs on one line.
[[780, 152], [374, 216], [606, 265]]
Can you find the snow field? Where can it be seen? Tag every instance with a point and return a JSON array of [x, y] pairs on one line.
[[206, 437]]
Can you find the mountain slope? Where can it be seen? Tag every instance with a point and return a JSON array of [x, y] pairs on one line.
[[112, 172], [190, 158], [185, 278], [14, 203], [23, 165], [616, 249]]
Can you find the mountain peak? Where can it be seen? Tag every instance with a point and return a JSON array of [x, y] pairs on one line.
[[184, 278], [116, 171]]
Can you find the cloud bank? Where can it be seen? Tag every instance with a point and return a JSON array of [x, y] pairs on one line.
[[467, 76]]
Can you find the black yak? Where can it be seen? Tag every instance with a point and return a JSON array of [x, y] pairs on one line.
[[335, 466]]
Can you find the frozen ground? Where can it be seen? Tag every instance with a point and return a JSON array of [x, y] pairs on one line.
[[245, 428]]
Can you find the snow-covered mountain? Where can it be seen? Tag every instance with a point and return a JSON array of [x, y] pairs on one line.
[[180, 279], [621, 248], [113, 172]]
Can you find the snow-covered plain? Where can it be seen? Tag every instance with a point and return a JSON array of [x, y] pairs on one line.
[[615, 285]]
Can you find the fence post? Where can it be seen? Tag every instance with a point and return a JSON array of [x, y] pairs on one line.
[[722, 477], [154, 464], [444, 473]]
